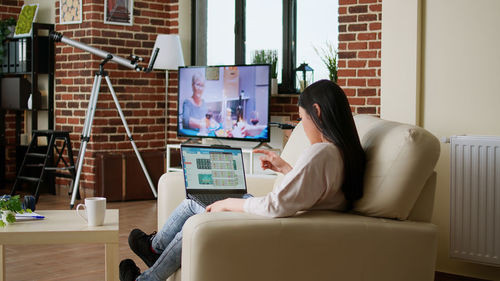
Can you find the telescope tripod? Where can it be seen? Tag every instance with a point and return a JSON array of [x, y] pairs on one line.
[[87, 127]]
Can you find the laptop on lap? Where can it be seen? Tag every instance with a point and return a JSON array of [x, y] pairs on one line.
[[213, 173]]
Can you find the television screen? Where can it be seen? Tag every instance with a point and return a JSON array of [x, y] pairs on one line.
[[228, 102]]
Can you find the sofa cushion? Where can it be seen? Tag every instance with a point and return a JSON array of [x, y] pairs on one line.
[[399, 160]]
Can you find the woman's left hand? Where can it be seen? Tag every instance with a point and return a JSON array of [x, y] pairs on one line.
[[227, 205]]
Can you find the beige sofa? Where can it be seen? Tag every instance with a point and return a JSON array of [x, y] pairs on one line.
[[388, 237]]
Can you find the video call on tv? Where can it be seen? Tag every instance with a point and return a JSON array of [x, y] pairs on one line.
[[229, 102]]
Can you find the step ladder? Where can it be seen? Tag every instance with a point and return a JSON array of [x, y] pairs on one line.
[[41, 162]]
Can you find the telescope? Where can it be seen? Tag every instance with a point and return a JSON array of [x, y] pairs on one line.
[[132, 63], [89, 116]]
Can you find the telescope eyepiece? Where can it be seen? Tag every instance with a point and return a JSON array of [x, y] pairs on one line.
[[56, 36], [135, 58]]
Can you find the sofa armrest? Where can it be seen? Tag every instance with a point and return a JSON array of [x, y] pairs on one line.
[[309, 246], [171, 191]]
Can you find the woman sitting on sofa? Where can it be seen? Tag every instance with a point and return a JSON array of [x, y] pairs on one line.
[[327, 176]]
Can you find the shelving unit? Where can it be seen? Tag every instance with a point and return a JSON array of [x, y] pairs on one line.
[[247, 154], [29, 61]]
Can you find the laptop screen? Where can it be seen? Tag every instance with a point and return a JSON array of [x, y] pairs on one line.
[[213, 168]]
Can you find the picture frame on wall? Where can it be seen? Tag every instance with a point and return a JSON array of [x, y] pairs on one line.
[[25, 20], [120, 12], [70, 11]]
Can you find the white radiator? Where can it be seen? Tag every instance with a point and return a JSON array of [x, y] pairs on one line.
[[475, 199]]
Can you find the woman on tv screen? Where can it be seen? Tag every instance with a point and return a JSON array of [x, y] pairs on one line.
[[194, 109], [230, 102]]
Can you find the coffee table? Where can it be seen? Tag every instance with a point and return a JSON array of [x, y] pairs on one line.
[[64, 227]]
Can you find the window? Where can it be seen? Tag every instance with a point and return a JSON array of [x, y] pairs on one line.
[[229, 31], [220, 32], [315, 27], [264, 29]]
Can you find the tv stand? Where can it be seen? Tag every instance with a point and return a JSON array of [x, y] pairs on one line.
[[246, 151], [192, 140], [263, 145]]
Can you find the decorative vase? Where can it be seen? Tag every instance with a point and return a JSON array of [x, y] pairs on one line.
[[274, 87]]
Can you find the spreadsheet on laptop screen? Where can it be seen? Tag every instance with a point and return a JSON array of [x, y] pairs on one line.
[[217, 168]]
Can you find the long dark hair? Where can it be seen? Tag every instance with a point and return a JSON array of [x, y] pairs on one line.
[[337, 126]]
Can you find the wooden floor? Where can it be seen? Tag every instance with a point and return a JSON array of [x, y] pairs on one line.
[[76, 261]]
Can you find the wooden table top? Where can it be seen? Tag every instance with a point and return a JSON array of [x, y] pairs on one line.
[[61, 226]]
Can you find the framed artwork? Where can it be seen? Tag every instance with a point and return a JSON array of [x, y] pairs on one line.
[[119, 12], [70, 11], [26, 18]]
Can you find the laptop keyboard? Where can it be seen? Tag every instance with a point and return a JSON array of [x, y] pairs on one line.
[[207, 199]]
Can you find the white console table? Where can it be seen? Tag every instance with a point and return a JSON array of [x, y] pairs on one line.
[[247, 151]]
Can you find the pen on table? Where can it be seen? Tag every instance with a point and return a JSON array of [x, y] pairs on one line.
[[32, 216], [37, 217]]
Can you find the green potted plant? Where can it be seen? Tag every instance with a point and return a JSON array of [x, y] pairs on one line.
[[328, 55], [268, 57], [9, 206], [7, 27]]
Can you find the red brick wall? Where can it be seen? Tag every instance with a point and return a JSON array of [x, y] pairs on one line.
[[285, 106], [360, 24], [10, 8], [141, 95]]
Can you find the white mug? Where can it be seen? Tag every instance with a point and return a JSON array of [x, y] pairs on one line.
[[95, 208]]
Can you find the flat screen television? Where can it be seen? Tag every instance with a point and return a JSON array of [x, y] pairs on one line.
[[225, 102]]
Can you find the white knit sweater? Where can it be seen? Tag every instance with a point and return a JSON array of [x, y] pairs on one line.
[[314, 183]]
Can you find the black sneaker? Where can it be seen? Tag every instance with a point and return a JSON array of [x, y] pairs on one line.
[[140, 243], [128, 270]]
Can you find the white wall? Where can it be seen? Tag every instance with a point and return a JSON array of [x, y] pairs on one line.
[[401, 99], [460, 92], [462, 61], [46, 10]]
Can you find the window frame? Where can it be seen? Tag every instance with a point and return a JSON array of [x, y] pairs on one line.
[[289, 59]]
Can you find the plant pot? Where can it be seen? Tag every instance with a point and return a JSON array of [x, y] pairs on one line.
[[274, 87]]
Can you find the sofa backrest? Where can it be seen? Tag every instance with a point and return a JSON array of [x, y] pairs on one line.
[[400, 161]]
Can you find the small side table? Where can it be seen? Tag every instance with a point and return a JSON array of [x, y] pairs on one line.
[[65, 227]]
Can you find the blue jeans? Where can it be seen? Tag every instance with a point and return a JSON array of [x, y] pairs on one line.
[[168, 242]]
